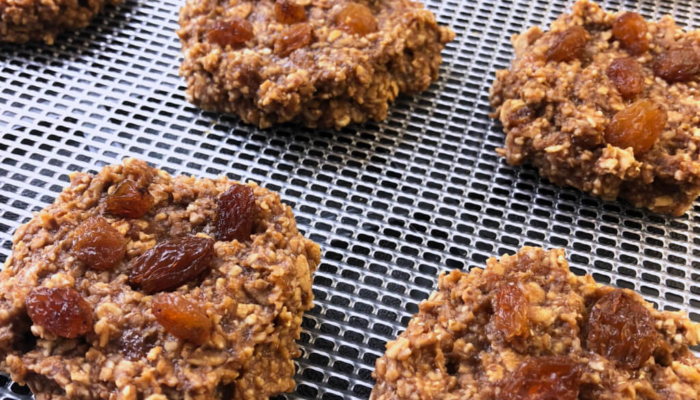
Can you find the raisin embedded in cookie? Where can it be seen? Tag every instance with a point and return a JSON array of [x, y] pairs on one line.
[[138, 285], [320, 63], [526, 328], [607, 103], [22, 21]]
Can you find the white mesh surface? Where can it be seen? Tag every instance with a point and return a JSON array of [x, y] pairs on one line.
[[392, 204]]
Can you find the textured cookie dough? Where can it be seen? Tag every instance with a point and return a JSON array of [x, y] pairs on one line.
[[556, 114], [526, 328], [254, 295], [329, 78], [22, 21]]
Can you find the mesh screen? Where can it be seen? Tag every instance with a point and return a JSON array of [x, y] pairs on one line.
[[392, 204]]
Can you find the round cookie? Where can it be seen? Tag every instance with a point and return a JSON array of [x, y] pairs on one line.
[[607, 103], [320, 63], [135, 284], [527, 328]]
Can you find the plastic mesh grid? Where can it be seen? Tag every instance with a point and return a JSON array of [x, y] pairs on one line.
[[392, 204]]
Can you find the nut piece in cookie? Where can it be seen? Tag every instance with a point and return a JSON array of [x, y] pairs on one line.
[[526, 328], [136, 284], [22, 21], [319, 63], [607, 103]]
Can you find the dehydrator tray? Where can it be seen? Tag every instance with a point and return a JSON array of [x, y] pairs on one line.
[[392, 204]]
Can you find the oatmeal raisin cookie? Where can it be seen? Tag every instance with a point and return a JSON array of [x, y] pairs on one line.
[[320, 63], [607, 103], [138, 285], [526, 328], [22, 21]]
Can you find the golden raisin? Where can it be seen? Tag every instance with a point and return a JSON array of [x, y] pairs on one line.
[[61, 311], [631, 30], [289, 12], [356, 19], [677, 64], [543, 378], [569, 45], [235, 210], [511, 312], [129, 201], [627, 76], [294, 37], [181, 318], [234, 32], [172, 263], [622, 330], [98, 244], [637, 126]]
